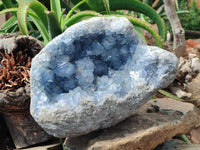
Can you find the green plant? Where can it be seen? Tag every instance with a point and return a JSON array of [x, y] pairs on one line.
[[62, 143], [159, 8], [132, 5], [189, 16], [167, 94], [191, 20], [32, 13]]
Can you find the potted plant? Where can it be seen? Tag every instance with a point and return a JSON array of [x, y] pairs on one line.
[[15, 59]]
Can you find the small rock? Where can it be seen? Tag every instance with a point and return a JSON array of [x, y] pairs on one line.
[[143, 130], [191, 56], [181, 62], [177, 145], [195, 135], [186, 67], [195, 65], [8, 44], [193, 87], [180, 93], [188, 78]]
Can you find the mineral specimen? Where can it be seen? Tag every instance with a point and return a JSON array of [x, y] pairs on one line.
[[94, 75]]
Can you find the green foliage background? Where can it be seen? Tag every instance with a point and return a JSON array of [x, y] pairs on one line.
[[190, 20]]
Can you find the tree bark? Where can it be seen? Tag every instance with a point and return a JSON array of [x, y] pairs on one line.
[[179, 45]]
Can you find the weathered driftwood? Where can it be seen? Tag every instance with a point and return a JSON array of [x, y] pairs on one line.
[[23, 129], [14, 105], [179, 45]]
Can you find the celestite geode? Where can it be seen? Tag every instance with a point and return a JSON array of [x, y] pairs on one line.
[[94, 75]]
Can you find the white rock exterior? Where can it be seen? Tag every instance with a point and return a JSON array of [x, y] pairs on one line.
[[94, 75]]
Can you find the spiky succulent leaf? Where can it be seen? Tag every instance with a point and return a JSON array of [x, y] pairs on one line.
[[56, 7], [82, 7], [54, 27], [11, 22], [81, 16], [40, 26], [8, 3], [72, 10], [134, 5], [170, 95], [107, 5], [39, 9], [8, 10], [140, 33], [21, 16]]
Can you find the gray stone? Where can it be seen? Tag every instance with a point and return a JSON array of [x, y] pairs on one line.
[[94, 75]]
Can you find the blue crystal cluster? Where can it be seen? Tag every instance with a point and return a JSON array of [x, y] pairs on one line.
[[82, 60], [93, 56], [95, 74]]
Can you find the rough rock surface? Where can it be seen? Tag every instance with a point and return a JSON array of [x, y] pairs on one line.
[[156, 122], [95, 74], [177, 145], [195, 135], [193, 87], [187, 81]]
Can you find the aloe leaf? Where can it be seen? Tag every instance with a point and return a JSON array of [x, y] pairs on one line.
[[39, 9], [81, 16], [83, 6], [21, 16], [8, 10], [35, 10], [29, 25], [56, 7], [177, 12], [158, 4], [7, 3], [13, 29], [149, 2], [107, 5], [40, 26], [184, 138], [134, 5], [170, 95], [64, 5], [61, 21], [53, 24], [140, 33], [10, 22], [20, 1], [72, 10]]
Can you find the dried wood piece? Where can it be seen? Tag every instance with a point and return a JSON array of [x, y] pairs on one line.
[[179, 45]]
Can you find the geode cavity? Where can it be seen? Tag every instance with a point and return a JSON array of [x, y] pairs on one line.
[[95, 74]]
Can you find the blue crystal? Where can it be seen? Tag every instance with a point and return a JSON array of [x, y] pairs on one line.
[[100, 68], [65, 69]]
